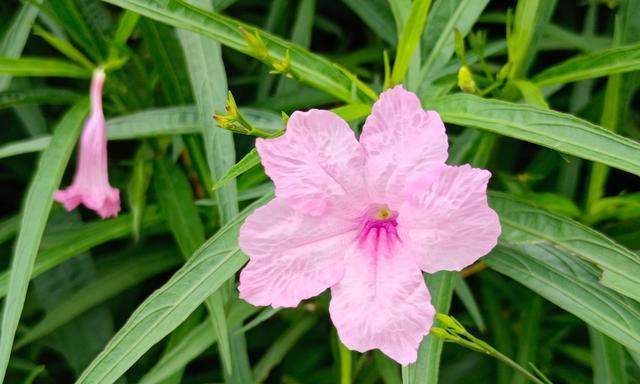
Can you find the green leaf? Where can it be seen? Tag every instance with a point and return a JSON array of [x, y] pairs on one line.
[[608, 359], [209, 85], [377, 15], [77, 240], [530, 17], [198, 340], [426, 369], [532, 93], [409, 39], [178, 207], [591, 65], [524, 223], [41, 67], [16, 35], [307, 67], [64, 47], [195, 343], [56, 96], [154, 122], [114, 277], [214, 263], [571, 284], [465, 295], [37, 204], [20, 147], [249, 161], [559, 131], [438, 36], [280, 347]]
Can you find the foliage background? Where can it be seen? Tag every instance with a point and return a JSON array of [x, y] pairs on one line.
[[560, 291]]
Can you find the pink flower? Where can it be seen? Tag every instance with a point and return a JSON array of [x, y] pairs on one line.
[[364, 218], [91, 182]]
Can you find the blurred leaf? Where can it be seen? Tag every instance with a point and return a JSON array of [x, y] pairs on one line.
[[308, 67], [195, 343], [528, 345], [409, 39], [42, 67], [573, 285], [438, 36], [215, 262], [591, 65], [64, 47], [178, 207], [559, 131], [377, 15], [37, 204], [608, 359], [141, 173], [70, 17], [16, 35], [20, 147], [76, 240], [280, 347], [427, 368], [114, 277], [465, 295], [530, 17], [12, 98]]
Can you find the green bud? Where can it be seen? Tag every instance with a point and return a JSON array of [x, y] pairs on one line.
[[465, 80]]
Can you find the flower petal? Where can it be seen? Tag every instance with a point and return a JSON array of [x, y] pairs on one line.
[[293, 256], [402, 143], [382, 302], [316, 164], [450, 224]]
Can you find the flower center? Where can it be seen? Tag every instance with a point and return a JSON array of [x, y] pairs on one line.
[[379, 230]]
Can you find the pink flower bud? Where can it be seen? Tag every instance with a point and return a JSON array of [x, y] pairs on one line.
[[91, 182]]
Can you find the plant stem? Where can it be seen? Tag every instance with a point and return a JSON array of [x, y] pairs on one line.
[[515, 366]]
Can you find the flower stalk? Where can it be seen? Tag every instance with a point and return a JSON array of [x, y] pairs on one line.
[[234, 121], [451, 331]]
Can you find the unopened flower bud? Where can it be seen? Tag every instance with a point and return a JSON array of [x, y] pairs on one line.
[[465, 80]]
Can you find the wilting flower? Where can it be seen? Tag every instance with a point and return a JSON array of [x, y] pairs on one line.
[[91, 182], [364, 218]]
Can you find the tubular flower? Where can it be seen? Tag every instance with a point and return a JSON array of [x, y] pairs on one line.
[[91, 182], [364, 219]]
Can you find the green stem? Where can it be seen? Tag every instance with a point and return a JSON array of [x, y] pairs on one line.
[[345, 364], [515, 366]]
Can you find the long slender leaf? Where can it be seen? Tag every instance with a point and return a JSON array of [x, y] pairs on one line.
[[559, 131], [209, 84], [309, 68], [591, 65], [409, 38], [78, 240], [123, 273], [573, 285], [40, 66], [608, 359], [37, 205], [523, 223], [215, 262], [16, 35], [426, 369], [280, 347], [437, 41]]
